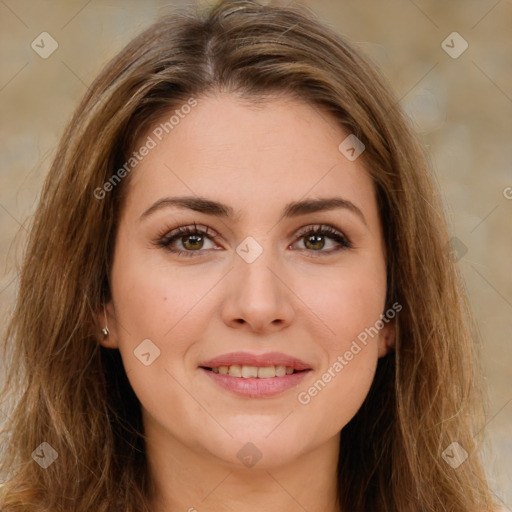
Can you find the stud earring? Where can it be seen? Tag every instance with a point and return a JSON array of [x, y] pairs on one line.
[[105, 330]]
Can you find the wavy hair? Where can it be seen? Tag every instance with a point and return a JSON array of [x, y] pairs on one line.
[[63, 388]]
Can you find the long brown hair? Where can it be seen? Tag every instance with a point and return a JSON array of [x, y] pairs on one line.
[[71, 393]]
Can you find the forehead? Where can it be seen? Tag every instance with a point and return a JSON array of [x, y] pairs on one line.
[[251, 156]]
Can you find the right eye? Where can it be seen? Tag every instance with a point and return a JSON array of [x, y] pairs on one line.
[[191, 238]]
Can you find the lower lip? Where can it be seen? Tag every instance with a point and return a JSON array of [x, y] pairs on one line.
[[255, 387]]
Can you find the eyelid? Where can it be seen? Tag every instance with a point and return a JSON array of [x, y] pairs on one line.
[[169, 233], [319, 227], [329, 231], [165, 237]]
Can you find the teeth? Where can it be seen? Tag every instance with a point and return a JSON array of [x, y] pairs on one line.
[[266, 372], [235, 370], [246, 372]]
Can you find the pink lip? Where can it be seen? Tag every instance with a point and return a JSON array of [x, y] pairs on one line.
[[247, 359], [255, 387]]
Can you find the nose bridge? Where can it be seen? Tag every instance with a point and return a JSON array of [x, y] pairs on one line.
[[256, 264], [257, 294]]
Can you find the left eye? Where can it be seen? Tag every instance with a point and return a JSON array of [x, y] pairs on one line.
[[315, 236], [192, 239]]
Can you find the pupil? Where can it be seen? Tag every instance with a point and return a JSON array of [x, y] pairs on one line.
[[189, 237], [315, 239]]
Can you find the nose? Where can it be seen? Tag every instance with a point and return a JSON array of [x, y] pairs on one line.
[[258, 297]]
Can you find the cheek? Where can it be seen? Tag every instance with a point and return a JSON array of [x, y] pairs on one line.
[[150, 296], [339, 391], [154, 317], [349, 304], [350, 309], [347, 300], [158, 302]]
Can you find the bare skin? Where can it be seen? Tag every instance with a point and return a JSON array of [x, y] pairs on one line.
[[305, 298]]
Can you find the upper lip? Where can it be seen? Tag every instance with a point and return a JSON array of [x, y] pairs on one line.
[[247, 359]]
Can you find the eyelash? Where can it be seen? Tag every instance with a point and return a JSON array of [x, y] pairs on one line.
[[165, 238]]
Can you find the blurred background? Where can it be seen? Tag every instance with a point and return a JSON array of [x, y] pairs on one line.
[[449, 64]]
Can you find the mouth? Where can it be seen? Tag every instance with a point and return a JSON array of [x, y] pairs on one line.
[[253, 372], [253, 381], [255, 375]]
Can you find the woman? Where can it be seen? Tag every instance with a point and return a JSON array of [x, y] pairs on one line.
[[237, 290]]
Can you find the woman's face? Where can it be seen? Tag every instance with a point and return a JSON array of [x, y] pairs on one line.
[[258, 282]]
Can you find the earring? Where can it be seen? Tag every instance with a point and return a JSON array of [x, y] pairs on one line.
[[105, 330]]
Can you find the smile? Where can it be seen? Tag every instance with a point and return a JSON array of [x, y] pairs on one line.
[[247, 371], [255, 382]]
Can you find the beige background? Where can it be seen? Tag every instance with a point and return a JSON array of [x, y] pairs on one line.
[[462, 107]]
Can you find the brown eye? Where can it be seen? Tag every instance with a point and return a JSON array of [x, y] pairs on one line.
[[315, 239], [314, 242], [191, 240]]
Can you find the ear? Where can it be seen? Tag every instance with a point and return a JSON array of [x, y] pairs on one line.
[[387, 338], [106, 318]]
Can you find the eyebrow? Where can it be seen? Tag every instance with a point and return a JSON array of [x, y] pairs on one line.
[[217, 209]]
